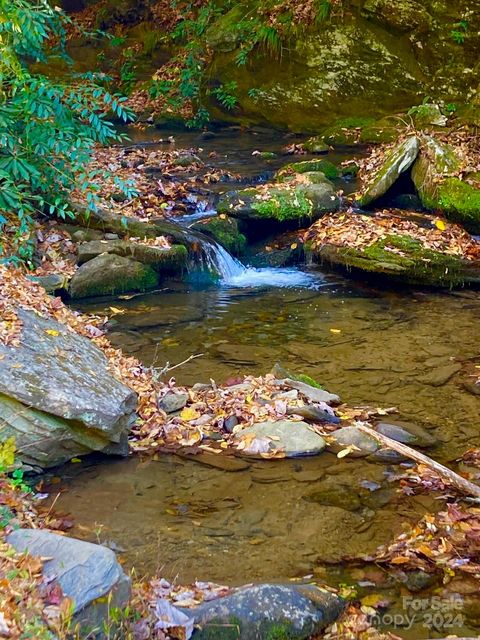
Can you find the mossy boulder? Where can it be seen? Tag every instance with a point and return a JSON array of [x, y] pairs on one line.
[[316, 144], [411, 252], [440, 190], [225, 231], [109, 274], [327, 168], [399, 15], [294, 201], [163, 260], [398, 160], [415, 265]]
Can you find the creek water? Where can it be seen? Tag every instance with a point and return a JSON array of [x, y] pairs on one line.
[[383, 347]]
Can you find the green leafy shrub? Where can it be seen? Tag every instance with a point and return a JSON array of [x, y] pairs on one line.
[[48, 129]]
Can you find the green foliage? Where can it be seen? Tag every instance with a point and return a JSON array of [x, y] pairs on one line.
[[225, 94], [48, 129], [459, 31], [323, 9]]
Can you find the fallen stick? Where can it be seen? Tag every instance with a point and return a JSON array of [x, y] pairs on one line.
[[465, 486]]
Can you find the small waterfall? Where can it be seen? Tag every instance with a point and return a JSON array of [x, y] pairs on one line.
[[217, 259]]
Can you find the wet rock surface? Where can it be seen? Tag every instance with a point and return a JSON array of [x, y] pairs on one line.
[[258, 612]]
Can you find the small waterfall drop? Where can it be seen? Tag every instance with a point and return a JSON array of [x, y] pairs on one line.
[[232, 273]]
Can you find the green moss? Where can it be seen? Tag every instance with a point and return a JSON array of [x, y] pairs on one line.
[[301, 377], [460, 201], [225, 231], [218, 629], [329, 170], [418, 265], [345, 131], [279, 631], [287, 206]]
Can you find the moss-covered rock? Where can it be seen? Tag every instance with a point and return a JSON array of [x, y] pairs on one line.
[[167, 261], [415, 265], [316, 144], [109, 274], [399, 15], [293, 201], [408, 248], [327, 168], [398, 159], [440, 190], [225, 231]]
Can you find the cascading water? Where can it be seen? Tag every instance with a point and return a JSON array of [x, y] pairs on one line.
[[214, 258]]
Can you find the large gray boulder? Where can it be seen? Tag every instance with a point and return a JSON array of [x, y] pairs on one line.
[[268, 611], [89, 574], [294, 438], [109, 274], [398, 160], [58, 397]]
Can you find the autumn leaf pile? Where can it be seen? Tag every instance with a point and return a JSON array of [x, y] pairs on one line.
[[359, 231]]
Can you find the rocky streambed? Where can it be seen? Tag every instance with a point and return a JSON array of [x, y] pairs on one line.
[[240, 518]]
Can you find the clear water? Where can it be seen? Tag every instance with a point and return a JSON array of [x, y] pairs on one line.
[[186, 520]]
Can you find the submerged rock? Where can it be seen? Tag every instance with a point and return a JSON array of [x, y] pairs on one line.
[[335, 495], [267, 611], [294, 438], [411, 434], [398, 160], [59, 398], [109, 275], [89, 574], [327, 168]]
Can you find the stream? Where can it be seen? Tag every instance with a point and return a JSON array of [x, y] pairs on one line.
[[383, 347]]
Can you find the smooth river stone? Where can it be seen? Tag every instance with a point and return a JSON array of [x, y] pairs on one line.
[[295, 438], [266, 610]]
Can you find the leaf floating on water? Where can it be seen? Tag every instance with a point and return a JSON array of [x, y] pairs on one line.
[[335, 331], [52, 332], [347, 451], [116, 310], [440, 224]]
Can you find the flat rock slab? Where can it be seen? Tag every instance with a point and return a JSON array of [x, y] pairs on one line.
[[400, 158], [294, 438], [84, 571], [441, 375], [267, 611], [61, 380]]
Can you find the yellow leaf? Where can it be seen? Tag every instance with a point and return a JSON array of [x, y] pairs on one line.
[[222, 216], [372, 600], [116, 310], [335, 331], [52, 332], [189, 413], [345, 452], [75, 460], [440, 224], [400, 560], [294, 245]]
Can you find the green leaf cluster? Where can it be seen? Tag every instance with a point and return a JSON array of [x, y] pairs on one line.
[[48, 129]]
